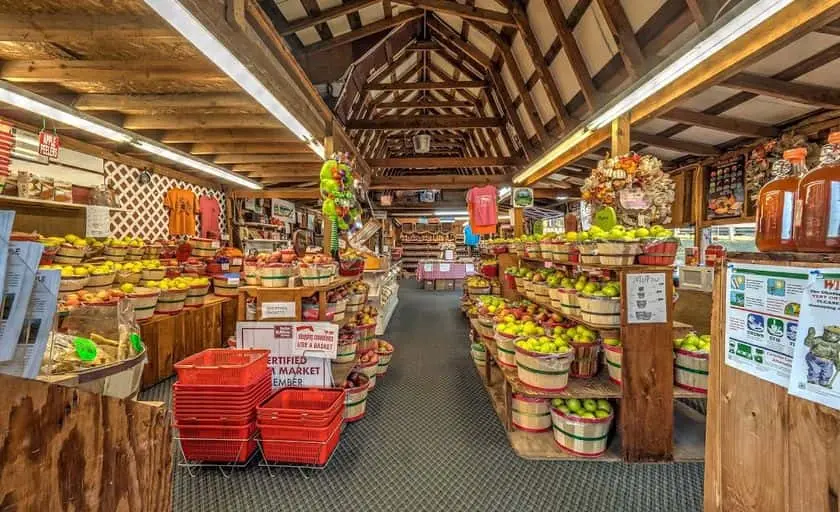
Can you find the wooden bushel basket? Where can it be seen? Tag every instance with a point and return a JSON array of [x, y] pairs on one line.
[[585, 437], [545, 372], [531, 414], [691, 370]]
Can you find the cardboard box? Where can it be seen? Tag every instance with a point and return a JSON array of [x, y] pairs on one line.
[[443, 285], [429, 285]]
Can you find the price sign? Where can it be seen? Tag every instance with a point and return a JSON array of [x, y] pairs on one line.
[[278, 310], [48, 144], [97, 222], [445, 267]]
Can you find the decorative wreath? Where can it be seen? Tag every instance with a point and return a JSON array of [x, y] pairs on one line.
[[635, 186]]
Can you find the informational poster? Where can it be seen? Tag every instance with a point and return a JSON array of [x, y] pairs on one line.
[[444, 267], [283, 209], [97, 222], [762, 318], [816, 356], [646, 298], [315, 338], [278, 310], [427, 267], [288, 368], [21, 268]]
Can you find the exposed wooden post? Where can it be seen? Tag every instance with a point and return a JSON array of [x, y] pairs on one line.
[[620, 135], [518, 218], [697, 206], [235, 13]]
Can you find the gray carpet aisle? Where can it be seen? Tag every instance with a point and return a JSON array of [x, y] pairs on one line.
[[431, 441]]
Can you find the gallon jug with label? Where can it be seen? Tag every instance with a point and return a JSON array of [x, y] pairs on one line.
[[777, 204], [818, 208]]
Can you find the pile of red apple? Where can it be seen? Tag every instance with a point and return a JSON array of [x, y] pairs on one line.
[[282, 256], [366, 316], [355, 380], [315, 259], [101, 297], [383, 347], [368, 357], [338, 294]]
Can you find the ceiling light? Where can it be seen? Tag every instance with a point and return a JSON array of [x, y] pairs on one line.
[[504, 192], [194, 163], [317, 148], [34, 104], [185, 23], [748, 19], [561, 198]]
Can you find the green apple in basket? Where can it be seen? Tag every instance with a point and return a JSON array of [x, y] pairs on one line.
[[604, 405], [557, 402], [590, 405], [574, 405], [613, 342]]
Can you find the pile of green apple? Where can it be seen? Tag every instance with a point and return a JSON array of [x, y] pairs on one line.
[[490, 304], [588, 408], [513, 327], [694, 343], [619, 233], [545, 344], [602, 289], [581, 334], [613, 342]]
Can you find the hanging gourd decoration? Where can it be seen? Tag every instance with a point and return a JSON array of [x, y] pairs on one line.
[[328, 209]]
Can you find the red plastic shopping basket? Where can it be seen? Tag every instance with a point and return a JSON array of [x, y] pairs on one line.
[[223, 366], [217, 443], [301, 433], [301, 452], [295, 407]]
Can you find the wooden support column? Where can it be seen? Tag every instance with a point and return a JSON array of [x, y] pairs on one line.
[[517, 216], [620, 135], [697, 206]]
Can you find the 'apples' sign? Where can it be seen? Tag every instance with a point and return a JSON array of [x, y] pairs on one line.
[[290, 366]]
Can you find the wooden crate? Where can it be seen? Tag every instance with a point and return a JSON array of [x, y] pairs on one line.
[[766, 451], [169, 339], [67, 449]]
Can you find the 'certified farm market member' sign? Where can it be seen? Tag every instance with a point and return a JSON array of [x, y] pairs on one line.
[[300, 352]]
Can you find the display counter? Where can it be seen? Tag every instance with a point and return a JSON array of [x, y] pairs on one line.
[[383, 293], [428, 270], [170, 338]]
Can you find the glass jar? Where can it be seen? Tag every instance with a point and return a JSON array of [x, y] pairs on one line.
[[818, 208], [776, 210]]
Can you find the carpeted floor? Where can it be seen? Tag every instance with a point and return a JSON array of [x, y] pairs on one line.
[[431, 441]]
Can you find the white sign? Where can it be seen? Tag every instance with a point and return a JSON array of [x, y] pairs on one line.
[[278, 310], [762, 317], [97, 222], [316, 337], [287, 368], [427, 267], [816, 355], [647, 302], [470, 269], [444, 267]]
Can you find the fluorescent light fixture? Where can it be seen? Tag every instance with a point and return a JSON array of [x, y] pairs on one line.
[[185, 23], [194, 163], [563, 146], [561, 198], [739, 25], [504, 192], [317, 148], [748, 19], [450, 213], [36, 106]]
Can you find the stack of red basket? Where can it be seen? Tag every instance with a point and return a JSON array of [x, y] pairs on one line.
[[215, 403], [301, 425]]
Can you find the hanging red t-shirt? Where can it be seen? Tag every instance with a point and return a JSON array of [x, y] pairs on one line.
[[209, 210], [481, 202]]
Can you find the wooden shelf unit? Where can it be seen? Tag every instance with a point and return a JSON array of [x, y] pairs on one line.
[[647, 411], [295, 294]]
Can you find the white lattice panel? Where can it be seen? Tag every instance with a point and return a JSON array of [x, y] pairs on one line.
[[148, 218]]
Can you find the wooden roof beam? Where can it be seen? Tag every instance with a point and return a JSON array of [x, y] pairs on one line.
[[69, 28], [276, 169], [442, 163], [326, 15], [150, 102], [438, 182], [570, 46], [816, 95], [468, 12], [693, 148], [373, 28], [703, 11], [625, 37], [282, 193], [544, 74], [291, 158], [424, 104], [100, 71], [249, 149], [428, 86], [720, 123], [423, 122], [191, 122], [225, 135], [423, 46]]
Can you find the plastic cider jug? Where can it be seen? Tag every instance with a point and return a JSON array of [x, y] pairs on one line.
[[818, 208], [776, 213]]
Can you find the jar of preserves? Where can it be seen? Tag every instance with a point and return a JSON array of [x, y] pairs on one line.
[[776, 210], [818, 208]]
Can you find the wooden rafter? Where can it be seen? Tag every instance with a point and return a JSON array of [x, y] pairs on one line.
[[151, 102], [227, 135], [326, 15], [439, 182], [443, 163], [570, 46], [373, 28], [255, 148], [423, 122], [625, 37], [257, 158], [544, 74], [191, 122], [703, 11], [424, 104], [428, 86], [692, 148], [720, 123], [463, 11], [816, 95]]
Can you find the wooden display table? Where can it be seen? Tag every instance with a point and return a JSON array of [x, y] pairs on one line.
[[170, 338], [291, 296]]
